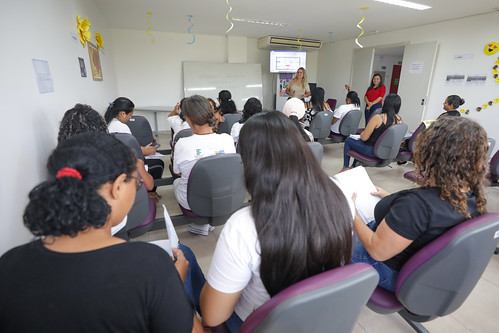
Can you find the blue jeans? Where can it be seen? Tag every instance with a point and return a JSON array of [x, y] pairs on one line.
[[368, 113], [194, 281], [387, 276], [234, 323], [357, 145]]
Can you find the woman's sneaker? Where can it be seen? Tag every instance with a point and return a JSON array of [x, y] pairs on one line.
[[200, 229]]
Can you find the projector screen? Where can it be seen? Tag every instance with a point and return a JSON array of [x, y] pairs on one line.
[[287, 61]]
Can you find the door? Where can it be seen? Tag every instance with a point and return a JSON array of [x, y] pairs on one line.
[[415, 78], [361, 73], [394, 85]]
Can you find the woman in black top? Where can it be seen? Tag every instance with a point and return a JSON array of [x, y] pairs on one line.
[[376, 126], [451, 104], [451, 166]]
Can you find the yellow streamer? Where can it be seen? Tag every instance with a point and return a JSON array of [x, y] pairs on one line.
[[147, 31], [299, 39], [227, 16], [358, 26]]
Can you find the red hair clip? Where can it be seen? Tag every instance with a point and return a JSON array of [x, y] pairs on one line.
[[68, 172]]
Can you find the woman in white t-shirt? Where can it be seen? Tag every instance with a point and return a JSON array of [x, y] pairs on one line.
[[251, 107], [353, 103], [202, 143], [299, 224]]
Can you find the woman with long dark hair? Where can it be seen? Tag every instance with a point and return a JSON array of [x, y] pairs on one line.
[[74, 276], [376, 126], [315, 106], [352, 103], [298, 224], [374, 96], [251, 107], [451, 168]]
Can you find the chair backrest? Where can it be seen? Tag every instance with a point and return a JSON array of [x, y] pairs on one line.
[[332, 103], [317, 150], [131, 142], [230, 119], [494, 165], [349, 124], [388, 144], [412, 141], [327, 302], [141, 130], [216, 187], [182, 134], [438, 278], [492, 143], [320, 126]]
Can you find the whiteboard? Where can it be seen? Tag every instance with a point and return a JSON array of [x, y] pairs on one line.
[[207, 79]]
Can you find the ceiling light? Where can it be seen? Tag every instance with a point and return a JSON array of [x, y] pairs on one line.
[[279, 24], [407, 4]]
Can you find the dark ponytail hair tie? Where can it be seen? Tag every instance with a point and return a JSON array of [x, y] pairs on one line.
[[111, 104], [68, 172]]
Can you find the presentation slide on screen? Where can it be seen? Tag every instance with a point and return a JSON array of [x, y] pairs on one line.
[[287, 61]]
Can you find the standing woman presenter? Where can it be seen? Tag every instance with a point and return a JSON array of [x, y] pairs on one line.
[[374, 96], [298, 87]]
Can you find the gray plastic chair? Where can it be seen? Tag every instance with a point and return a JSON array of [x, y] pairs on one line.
[[215, 190], [327, 302], [317, 150], [386, 148], [436, 280], [230, 119], [320, 127], [349, 124], [492, 143], [494, 170], [407, 154], [141, 130]]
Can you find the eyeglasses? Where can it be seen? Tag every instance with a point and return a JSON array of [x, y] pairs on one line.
[[138, 183]]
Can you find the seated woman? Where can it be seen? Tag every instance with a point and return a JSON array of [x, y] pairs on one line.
[[353, 103], [451, 104], [117, 114], [226, 104], [74, 276], [315, 106], [294, 109], [81, 119], [204, 142], [451, 163], [176, 120], [376, 126], [251, 107], [298, 224]]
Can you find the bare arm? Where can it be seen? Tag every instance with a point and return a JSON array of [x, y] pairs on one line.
[[216, 306], [382, 244], [374, 123], [148, 150], [335, 120], [146, 177], [308, 93], [347, 87], [175, 111]]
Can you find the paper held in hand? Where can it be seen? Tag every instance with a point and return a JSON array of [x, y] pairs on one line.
[[172, 241], [357, 180]]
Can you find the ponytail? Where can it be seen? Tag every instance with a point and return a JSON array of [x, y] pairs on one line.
[[119, 104], [354, 97]]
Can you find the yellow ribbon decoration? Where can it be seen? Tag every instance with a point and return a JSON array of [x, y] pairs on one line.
[[358, 26], [147, 31], [299, 39], [99, 40], [227, 16], [82, 27]]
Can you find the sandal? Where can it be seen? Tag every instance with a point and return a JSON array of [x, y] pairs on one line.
[[155, 196]]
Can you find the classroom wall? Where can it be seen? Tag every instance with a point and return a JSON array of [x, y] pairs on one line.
[[463, 36], [41, 29]]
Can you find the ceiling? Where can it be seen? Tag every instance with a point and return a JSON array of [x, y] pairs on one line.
[[315, 18]]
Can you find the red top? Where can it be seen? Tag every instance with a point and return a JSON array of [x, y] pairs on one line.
[[375, 93]]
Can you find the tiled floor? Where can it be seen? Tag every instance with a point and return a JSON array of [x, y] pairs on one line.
[[478, 314]]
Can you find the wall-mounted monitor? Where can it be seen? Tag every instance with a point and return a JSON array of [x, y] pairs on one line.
[[287, 61]]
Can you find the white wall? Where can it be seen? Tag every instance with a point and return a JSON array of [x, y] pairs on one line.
[[463, 36], [41, 29]]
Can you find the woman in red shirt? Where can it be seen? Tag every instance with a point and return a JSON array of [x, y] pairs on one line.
[[374, 96]]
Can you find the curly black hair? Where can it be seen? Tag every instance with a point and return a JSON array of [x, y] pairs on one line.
[[68, 205], [81, 118]]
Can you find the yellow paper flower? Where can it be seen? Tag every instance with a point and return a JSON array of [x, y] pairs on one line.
[[83, 26], [463, 110], [497, 79], [484, 106], [99, 40], [495, 72], [496, 100]]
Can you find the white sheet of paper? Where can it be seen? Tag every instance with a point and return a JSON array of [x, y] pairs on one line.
[[355, 136], [170, 229]]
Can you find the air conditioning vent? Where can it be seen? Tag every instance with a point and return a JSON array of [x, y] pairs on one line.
[[288, 43]]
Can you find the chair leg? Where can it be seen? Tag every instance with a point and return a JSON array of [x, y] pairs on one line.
[[416, 325], [496, 251]]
